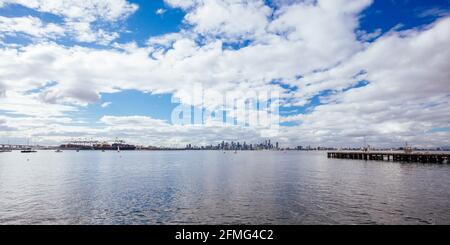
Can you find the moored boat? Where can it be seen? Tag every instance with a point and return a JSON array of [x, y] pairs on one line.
[[28, 150]]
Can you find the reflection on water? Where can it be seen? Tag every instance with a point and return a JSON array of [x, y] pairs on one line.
[[216, 188]]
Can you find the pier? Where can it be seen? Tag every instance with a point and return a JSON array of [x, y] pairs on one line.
[[415, 157], [10, 147]]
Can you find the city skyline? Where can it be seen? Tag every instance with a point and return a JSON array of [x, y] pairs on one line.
[[344, 72], [267, 144]]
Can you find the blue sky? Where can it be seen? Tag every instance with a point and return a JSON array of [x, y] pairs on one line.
[[144, 25], [130, 59]]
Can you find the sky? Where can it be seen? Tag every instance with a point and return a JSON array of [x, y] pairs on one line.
[[343, 71]]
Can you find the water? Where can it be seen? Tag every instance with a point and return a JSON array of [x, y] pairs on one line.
[[216, 188]]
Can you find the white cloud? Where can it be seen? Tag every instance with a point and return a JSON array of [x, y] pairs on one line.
[[83, 32], [434, 12], [159, 132], [30, 105], [236, 19], [4, 127], [160, 11], [142, 121], [85, 11], [165, 41], [184, 4], [106, 104], [394, 64], [78, 18], [407, 95], [31, 26]]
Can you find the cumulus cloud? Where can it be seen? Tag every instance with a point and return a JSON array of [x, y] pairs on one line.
[[146, 129], [391, 89], [407, 95], [230, 19], [89, 11], [30, 26], [78, 17], [83, 32], [19, 104]]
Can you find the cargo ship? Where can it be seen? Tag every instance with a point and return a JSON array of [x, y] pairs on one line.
[[118, 145], [72, 146], [81, 145]]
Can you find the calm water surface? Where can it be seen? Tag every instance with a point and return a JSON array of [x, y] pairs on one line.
[[217, 188]]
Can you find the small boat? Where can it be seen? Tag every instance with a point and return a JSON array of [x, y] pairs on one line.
[[28, 150], [58, 151]]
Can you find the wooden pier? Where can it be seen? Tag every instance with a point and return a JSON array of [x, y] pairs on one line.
[[415, 157], [10, 147]]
